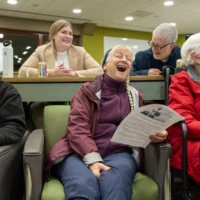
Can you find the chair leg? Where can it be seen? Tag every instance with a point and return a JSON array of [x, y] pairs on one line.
[[167, 183], [178, 193], [182, 196], [172, 183]]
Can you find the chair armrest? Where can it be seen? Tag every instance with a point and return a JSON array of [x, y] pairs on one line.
[[33, 156], [166, 71], [156, 157]]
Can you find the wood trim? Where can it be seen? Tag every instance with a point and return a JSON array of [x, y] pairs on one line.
[[74, 79]]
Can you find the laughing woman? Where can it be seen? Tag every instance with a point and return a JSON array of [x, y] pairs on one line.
[[88, 164], [62, 58]]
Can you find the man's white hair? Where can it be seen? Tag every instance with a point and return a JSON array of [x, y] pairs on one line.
[[192, 44], [166, 30]]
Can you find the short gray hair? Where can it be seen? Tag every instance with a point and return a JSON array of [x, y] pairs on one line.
[[192, 44], [166, 30]]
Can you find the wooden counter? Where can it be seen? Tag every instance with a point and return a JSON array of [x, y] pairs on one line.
[[63, 89]]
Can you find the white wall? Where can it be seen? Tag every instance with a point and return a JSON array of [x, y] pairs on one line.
[[134, 44]]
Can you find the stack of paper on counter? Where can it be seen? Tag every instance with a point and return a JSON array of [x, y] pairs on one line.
[[135, 129]]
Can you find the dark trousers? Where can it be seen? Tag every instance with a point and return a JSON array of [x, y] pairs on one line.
[[80, 183]]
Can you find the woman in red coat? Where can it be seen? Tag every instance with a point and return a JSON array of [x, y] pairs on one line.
[[184, 98]]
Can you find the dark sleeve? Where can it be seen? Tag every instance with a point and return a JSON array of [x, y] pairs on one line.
[[12, 118], [140, 64]]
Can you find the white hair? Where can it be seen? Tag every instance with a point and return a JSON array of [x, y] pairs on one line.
[[192, 44], [166, 30], [119, 47]]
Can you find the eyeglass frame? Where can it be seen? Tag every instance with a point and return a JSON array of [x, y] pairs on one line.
[[150, 44]]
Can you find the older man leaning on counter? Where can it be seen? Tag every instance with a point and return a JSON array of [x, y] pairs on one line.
[[61, 57], [162, 51]]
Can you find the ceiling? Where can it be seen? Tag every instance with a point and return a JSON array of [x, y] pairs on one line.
[[111, 13]]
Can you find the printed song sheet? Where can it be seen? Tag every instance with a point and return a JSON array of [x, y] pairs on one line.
[[135, 129]]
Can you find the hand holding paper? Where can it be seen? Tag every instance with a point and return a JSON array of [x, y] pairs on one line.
[[137, 127], [158, 137]]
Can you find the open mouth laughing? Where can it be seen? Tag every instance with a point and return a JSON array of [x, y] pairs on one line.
[[121, 68]]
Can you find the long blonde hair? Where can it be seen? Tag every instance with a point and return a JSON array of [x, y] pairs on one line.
[[54, 28]]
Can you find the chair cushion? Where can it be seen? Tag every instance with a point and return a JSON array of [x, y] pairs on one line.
[[143, 188], [55, 124], [53, 190]]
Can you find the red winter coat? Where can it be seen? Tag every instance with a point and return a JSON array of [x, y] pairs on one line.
[[184, 98]]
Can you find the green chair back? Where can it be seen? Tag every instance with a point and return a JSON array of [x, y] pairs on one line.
[[55, 124]]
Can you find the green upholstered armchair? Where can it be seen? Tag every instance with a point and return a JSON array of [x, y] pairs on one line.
[[11, 170], [153, 185]]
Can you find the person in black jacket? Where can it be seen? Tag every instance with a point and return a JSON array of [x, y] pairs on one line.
[[12, 117]]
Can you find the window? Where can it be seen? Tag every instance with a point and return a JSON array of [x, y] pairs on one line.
[[25, 43]]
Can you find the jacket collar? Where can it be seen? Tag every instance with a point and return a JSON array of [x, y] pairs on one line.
[[93, 91], [192, 73], [175, 51], [96, 85]]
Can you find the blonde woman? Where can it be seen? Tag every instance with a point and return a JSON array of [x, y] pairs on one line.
[[62, 58]]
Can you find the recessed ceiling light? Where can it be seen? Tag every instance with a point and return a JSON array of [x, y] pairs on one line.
[[28, 47], [12, 1], [16, 56], [25, 52], [124, 39], [168, 3], [1, 35], [129, 18], [77, 11], [173, 24]]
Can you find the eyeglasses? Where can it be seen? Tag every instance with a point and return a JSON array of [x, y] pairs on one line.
[[158, 47]]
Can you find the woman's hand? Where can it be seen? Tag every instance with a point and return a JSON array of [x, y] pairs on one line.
[[61, 71], [159, 137], [97, 167], [71, 73]]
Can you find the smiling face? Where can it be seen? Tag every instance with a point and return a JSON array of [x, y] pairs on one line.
[[161, 53], [63, 38], [118, 64]]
